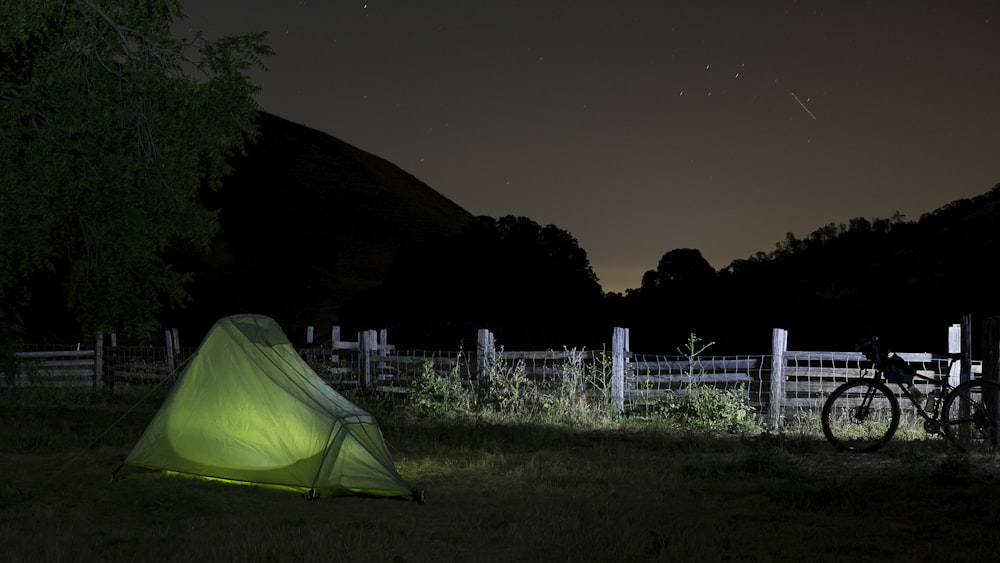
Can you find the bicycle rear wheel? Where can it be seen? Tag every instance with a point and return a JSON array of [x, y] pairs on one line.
[[969, 416], [860, 416]]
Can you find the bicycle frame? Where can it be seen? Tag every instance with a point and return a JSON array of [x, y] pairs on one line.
[[941, 387], [863, 414], [940, 382]]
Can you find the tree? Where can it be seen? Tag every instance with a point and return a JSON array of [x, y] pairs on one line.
[[679, 266], [532, 285], [110, 127]]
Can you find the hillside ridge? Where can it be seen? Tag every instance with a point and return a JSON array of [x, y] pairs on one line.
[[308, 221]]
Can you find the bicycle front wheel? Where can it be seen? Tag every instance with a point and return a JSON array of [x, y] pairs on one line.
[[969, 416], [860, 416]]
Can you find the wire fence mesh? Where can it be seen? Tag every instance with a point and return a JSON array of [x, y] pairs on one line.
[[807, 377], [651, 376], [121, 367]]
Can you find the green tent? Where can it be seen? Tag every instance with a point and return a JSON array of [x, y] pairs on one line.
[[248, 409]]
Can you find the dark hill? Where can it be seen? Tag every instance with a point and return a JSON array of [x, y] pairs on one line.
[[308, 222]]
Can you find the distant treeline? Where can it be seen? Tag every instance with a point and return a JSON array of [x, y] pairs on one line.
[[314, 231], [534, 287]]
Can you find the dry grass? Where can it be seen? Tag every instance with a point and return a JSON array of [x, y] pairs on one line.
[[500, 492]]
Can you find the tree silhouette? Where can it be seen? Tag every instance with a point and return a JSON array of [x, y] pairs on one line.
[[905, 280], [108, 131], [681, 266], [531, 285]]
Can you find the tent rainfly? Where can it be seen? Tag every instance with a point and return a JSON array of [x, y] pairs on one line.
[[247, 409]]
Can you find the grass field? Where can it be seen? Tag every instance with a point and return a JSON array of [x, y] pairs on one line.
[[498, 491]]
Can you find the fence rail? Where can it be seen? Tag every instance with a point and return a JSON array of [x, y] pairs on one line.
[[99, 367], [56, 367], [780, 385], [653, 377]]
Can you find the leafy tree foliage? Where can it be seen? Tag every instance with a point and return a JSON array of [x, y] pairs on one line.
[[531, 285], [679, 266], [109, 129], [673, 299]]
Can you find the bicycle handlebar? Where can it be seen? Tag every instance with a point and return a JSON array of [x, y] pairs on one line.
[[871, 349], [895, 368]]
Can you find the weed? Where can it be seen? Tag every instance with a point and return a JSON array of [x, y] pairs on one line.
[[599, 377], [693, 349], [703, 407], [436, 394], [510, 391], [566, 397], [570, 396]]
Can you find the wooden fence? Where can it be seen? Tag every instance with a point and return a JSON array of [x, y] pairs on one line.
[[57, 367], [363, 362], [103, 365], [780, 386], [799, 381]]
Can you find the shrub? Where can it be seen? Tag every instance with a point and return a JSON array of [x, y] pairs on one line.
[[703, 407], [436, 394], [510, 391], [566, 395]]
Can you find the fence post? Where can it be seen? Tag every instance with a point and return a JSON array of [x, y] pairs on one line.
[[170, 351], [991, 349], [111, 364], [309, 334], [955, 347], [991, 367], [367, 343], [334, 357], [779, 344], [966, 373], [619, 349], [485, 348], [99, 363]]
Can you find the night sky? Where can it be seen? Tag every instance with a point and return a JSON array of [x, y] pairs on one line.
[[641, 127]]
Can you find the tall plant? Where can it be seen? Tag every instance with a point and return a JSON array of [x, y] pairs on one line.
[[599, 376], [692, 350], [510, 390], [109, 128], [702, 406], [437, 394]]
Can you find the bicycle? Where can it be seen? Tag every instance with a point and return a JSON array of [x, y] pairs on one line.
[[863, 414]]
